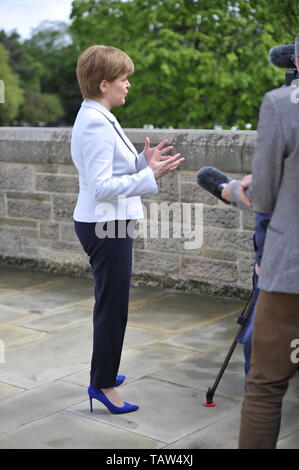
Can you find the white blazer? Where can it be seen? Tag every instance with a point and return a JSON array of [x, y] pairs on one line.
[[112, 176]]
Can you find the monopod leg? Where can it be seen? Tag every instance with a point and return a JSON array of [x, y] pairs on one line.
[[243, 318]]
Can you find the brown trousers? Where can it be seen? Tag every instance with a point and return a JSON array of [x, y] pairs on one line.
[[272, 364]]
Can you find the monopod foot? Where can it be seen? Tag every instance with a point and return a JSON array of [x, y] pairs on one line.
[[209, 396], [209, 405]]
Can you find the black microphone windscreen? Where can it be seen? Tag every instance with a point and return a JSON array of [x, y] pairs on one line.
[[283, 56], [211, 179]]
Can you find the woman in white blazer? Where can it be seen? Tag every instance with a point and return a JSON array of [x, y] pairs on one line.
[[112, 177]]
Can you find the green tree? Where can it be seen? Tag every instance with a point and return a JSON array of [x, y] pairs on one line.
[[51, 46], [13, 93], [46, 65], [198, 62], [40, 108], [20, 61]]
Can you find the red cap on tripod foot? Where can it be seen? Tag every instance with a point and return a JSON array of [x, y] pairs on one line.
[[209, 405]]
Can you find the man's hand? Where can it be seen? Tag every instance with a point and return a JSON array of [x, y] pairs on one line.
[[226, 193], [257, 269], [245, 183]]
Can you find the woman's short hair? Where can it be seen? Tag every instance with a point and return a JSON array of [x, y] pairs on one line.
[[99, 63]]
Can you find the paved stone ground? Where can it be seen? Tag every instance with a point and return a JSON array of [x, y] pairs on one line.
[[174, 347]]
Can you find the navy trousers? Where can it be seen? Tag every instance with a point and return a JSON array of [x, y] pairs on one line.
[[111, 264], [245, 337]]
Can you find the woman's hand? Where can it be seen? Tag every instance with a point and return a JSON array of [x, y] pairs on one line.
[[162, 165], [149, 151]]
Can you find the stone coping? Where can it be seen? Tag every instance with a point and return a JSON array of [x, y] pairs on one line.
[[230, 151]]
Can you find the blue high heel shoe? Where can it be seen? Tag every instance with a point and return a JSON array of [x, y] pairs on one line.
[[99, 395], [119, 380]]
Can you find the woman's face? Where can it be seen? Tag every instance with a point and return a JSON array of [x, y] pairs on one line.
[[116, 91]]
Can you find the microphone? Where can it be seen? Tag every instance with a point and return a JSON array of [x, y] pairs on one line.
[[283, 56], [213, 181]]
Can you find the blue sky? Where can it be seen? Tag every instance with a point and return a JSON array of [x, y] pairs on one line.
[[23, 15]]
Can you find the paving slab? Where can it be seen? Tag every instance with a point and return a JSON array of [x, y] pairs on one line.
[[45, 298], [174, 312], [208, 334], [289, 416], [167, 411], [9, 315], [6, 292], [289, 442], [200, 372], [80, 378], [142, 293], [7, 390], [58, 319], [139, 298], [16, 279], [58, 354], [39, 402], [293, 390], [222, 434], [139, 337], [139, 363], [14, 335], [146, 361], [65, 430], [174, 347], [51, 357]]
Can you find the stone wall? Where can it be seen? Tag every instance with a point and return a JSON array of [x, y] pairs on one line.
[[38, 191]]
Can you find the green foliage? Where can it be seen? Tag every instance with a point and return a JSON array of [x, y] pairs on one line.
[[53, 109], [197, 62], [41, 108], [46, 65], [13, 93], [21, 62], [51, 46]]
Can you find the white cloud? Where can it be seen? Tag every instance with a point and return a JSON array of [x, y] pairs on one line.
[[23, 15]]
